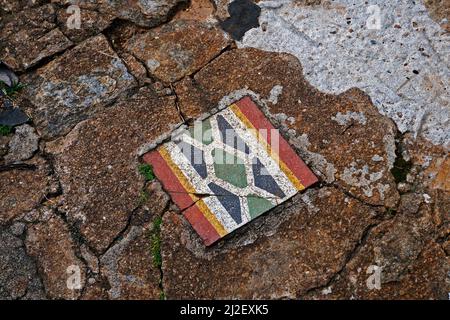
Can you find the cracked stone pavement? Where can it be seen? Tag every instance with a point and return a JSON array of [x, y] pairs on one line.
[[367, 110]]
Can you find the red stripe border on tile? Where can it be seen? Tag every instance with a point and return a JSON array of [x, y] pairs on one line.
[[201, 225], [181, 197], [286, 153], [169, 180]]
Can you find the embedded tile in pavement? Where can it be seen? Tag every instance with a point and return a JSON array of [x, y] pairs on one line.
[[228, 169]]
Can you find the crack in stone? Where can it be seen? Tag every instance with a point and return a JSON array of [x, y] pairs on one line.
[[35, 263], [113, 48], [107, 254], [361, 242], [18, 166], [121, 233], [161, 271], [351, 195], [106, 33], [218, 55], [44, 61], [177, 106], [78, 240], [400, 166]]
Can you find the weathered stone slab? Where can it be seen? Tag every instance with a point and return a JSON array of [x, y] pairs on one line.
[[63, 92], [91, 22], [29, 36], [23, 144], [9, 6], [177, 49], [129, 267], [287, 254], [97, 164], [430, 164], [23, 188], [403, 254], [18, 276], [51, 245], [221, 7], [201, 10], [4, 142], [141, 12]]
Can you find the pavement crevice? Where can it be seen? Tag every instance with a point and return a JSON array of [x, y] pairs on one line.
[[121, 233], [44, 61], [160, 267], [39, 273], [218, 55], [351, 195], [177, 105], [382, 217], [350, 255]]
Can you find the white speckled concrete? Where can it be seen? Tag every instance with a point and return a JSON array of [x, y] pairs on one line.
[[339, 52]]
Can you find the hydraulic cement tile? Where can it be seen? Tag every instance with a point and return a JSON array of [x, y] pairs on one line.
[[228, 169]]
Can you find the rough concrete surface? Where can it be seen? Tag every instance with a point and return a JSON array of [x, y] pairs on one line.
[[403, 66]]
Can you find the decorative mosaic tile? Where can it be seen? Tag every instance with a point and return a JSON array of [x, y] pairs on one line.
[[228, 169]]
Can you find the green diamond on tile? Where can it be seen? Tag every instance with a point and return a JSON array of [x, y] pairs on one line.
[[229, 168], [201, 132], [258, 205]]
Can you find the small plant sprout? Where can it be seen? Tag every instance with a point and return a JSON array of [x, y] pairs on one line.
[[155, 242], [147, 171], [5, 130]]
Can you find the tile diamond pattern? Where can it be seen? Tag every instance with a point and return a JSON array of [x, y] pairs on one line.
[[229, 169]]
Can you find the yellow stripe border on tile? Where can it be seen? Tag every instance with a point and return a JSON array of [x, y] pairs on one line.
[[190, 189], [289, 174]]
